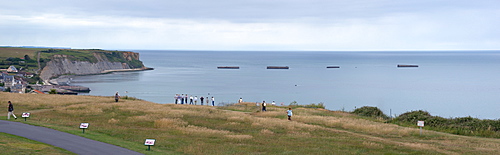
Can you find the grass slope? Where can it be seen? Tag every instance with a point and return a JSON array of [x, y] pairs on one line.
[[11, 144], [17, 52], [238, 129]]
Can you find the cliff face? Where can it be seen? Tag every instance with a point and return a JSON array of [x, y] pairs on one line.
[[68, 65]]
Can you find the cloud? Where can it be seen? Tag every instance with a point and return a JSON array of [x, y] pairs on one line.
[[252, 25]]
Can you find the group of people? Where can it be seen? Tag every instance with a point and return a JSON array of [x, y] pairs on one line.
[[179, 99], [264, 105], [186, 99]]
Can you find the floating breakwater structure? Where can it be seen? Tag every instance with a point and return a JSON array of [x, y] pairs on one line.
[[277, 67], [405, 65], [228, 67]]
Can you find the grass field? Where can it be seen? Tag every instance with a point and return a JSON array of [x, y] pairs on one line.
[[14, 52], [236, 129], [11, 144]]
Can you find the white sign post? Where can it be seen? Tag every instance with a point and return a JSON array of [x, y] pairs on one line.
[[420, 124], [84, 126], [25, 115], [149, 143]]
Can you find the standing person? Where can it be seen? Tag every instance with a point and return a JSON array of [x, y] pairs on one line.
[[207, 100], [289, 112], [201, 99], [191, 99], [264, 106], [186, 99], [11, 111], [240, 100], [213, 101], [117, 97], [181, 98], [175, 98], [195, 99]]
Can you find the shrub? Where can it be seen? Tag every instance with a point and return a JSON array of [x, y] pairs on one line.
[[370, 112], [414, 116], [312, 105], [52, 91], [461, 126]]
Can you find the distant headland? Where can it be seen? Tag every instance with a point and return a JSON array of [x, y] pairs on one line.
[[39, 66]]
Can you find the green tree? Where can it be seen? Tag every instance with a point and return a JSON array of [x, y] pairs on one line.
[[27, 57], [52, 91]]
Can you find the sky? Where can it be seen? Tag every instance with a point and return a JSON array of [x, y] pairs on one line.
[[263, 25]]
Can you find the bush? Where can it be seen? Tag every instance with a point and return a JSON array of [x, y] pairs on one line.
[[294, 103], [414, 116], [52, 91], [312, 105], [461, 126], [370, 112]]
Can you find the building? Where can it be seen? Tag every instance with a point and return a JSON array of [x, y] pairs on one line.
[[8, 80], [18, 88], [12, 69]]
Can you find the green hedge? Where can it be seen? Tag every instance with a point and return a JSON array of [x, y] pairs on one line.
[[468, 126], [370, 112]]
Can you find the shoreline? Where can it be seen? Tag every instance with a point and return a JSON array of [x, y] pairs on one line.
[[66, 79], [124, 70]]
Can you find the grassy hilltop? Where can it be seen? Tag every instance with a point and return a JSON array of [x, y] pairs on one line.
[[236, 129]]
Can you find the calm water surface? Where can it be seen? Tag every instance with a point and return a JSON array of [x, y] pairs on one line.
[[447, 84]]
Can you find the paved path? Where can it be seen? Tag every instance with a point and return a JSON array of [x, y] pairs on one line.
[[73, 143]]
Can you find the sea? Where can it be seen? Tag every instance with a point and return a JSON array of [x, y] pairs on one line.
[[446, 83]]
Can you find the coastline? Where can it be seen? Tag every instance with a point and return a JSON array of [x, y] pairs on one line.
[[66, 79], [124, 70]]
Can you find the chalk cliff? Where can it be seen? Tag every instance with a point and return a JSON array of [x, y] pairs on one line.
[[100, 62]]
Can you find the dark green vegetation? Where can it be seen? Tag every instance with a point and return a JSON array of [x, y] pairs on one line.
[[467, 126], [370, 112], [21, 58]]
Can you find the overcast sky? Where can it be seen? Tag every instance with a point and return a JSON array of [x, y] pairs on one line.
[[326, 25]]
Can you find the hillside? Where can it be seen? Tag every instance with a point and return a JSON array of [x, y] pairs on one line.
[[189, 129], [45, 64]]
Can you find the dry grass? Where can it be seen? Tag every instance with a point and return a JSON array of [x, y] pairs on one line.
[[359, 125], [170, 123], [239, 137], [17, 52], [204, 131], [229, 130]]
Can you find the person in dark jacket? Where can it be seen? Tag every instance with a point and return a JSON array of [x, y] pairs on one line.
[[264, 105], [11, 111], [117, 97]]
